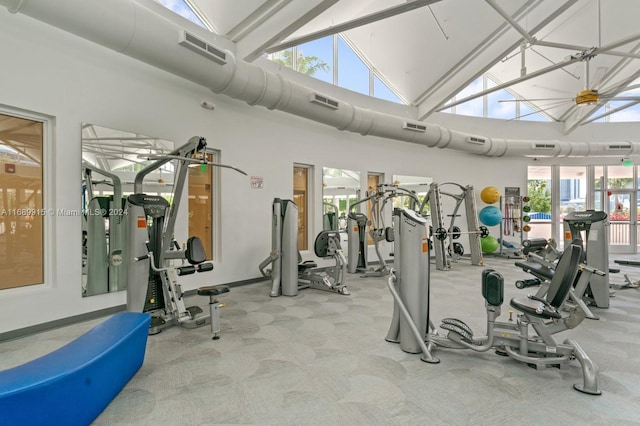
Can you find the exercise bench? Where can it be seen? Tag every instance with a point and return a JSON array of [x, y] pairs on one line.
[[74, 384]]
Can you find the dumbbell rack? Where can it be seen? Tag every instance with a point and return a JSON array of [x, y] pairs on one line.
[[512, 220]]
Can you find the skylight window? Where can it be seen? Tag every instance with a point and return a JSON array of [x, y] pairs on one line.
[[183, 9], [493, 105], [630, 114], [343, 66], [382, 91]]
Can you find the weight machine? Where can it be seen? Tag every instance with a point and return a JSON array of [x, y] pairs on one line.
[[330, 217], [413, 330], [357, 229], [103, 234], [542, 257], [592, 227], [443, 241], [289, 274], [153, 283]]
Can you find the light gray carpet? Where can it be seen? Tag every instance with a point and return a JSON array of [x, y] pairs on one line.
[[321, 358]]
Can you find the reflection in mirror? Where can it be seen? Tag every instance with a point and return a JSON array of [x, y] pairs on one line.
[[417, 184], [340, 190], [110, 160], [21, 202]]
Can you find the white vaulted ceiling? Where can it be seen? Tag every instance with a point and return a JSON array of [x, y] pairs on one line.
[[428, 50], [435, 48]]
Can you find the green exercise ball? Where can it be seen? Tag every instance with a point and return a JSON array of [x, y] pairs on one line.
[[489, 244]]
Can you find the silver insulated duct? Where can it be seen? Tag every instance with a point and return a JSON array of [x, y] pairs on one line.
[[130, 28]]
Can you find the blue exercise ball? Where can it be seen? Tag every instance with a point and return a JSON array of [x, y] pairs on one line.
[[490, 216]]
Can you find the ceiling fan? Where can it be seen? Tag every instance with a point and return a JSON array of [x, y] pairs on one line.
[[590, 95]]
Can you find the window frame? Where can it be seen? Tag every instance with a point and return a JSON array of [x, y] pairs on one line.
[[49, 213]]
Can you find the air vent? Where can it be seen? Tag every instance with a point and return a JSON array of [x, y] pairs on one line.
[[618, 146], [323, 100], [544, 146], [192, 42], [476, 140], [414, 127]]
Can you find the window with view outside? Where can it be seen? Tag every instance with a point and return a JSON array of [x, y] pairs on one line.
[[539, 192], [573, 189], [21, 202], [348, 69]]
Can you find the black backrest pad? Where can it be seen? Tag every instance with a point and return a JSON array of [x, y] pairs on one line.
[[492, 287], [533, 245], [321, 245], [565, 275], [195, 251]]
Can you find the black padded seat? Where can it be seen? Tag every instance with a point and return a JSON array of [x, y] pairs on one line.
[[627, 262], [212, 290], [536, 269], [559, 287], [306, 265]]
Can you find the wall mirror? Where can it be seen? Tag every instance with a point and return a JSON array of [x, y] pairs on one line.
[[340, 190], [110, 160], [419, 185]]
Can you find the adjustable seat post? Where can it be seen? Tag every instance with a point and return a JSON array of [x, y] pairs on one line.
[[214, 306]]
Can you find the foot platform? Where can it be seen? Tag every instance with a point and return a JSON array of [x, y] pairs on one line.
[[458, 327]]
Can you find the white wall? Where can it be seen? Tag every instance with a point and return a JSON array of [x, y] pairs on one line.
[[72, 80]]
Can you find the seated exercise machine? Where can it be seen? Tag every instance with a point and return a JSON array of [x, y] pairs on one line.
[[289, 274], [153, 280], [542, 256], [413, 330]]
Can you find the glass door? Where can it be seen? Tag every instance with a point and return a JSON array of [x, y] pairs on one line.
[[620, 205]]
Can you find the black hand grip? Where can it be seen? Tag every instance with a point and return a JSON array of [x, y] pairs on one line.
[[539, 299]]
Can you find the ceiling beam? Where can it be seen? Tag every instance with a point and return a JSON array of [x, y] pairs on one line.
[[621, 42], [255, 19], [511, 21], [612, 111], [584, 54], [257, 48], [201, 16], [465, 63], [12, 144], [581, 48], [535, 74], [29, 140], [355, 23]]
